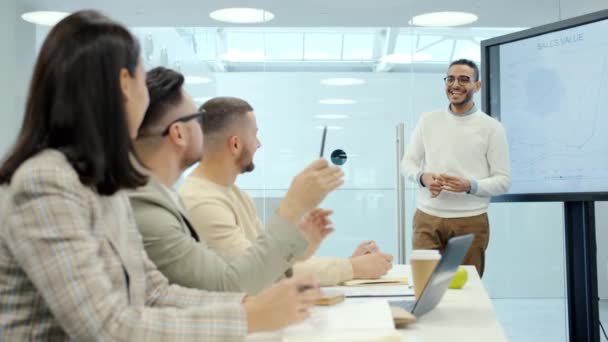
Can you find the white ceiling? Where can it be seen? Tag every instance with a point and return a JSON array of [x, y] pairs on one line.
[[492, 13]]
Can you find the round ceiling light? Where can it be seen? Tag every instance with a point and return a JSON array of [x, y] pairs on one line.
[[331, 116], [443, 19], [242, 15], [46, 18], [342, 81], [337, 101], [333, 128], [243, 56]]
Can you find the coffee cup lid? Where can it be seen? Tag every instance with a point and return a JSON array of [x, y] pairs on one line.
[[425, 253]]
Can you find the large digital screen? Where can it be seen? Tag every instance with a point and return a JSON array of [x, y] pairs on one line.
[[549, 88]]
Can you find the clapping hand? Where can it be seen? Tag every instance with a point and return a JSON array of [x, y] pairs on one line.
[[454, 184], [366, 247], [315, 226]]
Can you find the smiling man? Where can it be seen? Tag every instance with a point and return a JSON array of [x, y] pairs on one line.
[[459, 158]]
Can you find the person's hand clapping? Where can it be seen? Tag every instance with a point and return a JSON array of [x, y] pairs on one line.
[[309, 188], [432, 182], [316, 226], [454, 184]]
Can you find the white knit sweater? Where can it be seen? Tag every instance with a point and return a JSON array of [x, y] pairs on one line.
[[471, 146]]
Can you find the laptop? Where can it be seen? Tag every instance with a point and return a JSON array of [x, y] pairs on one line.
[[441, 277]]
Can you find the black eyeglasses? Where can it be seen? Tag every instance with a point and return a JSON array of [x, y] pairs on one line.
[[198, 116], [464, 80]]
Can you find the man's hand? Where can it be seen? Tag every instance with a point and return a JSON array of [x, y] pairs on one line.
[[315, 227], [309, 188], [371, 266], [284, 303], [431, 181], [366, 247], [454, 184]]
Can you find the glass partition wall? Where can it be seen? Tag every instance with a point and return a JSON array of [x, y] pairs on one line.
[[362, 82]]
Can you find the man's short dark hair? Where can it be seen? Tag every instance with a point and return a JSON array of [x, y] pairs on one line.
[[165, 89], [221, 112], [468, 63]]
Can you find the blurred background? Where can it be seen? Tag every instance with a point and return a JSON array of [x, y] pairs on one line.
[[361, 68]]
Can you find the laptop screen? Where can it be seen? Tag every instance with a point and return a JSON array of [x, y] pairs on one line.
[[439, 281]]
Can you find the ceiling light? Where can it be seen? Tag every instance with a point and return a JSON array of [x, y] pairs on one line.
[[406, 58], [243, 56], [331, 116], [337, 101], [342, 81], [242, 15], [46, 18], [443, 19], [197, 80], [333, 128]]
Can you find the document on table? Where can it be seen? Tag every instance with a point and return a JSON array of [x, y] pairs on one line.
[[373, 291], [382, 280], [357, 321]]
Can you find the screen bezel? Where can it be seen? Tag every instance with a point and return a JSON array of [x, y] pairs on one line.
[[490, 58]]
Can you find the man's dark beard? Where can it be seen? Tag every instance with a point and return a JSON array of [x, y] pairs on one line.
[[245, 155], [248, 168], [466, 100]]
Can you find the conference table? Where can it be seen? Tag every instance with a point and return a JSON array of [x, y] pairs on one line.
[[466, 314]]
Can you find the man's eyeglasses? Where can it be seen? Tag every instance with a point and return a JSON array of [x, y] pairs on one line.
[[198, 116], [463, 80]]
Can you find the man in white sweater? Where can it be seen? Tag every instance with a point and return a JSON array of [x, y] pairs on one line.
[[459, 158]]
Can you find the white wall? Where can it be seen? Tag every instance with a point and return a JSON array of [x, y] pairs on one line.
[[18, 41], [526, 253], [8, 97]]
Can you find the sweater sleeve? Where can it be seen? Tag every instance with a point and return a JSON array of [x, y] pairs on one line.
[[411, 165], [328, 271], [186, 262], [497, 156]]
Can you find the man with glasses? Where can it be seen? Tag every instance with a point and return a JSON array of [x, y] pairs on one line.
[[198, 116], [170, 140], [459, 158]]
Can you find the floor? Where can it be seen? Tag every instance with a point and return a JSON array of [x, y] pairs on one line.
[[532, 320]]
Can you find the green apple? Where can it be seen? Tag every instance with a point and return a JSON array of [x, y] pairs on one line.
[[460, 278]]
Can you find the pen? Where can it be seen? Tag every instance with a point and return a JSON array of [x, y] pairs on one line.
[[323, 141]]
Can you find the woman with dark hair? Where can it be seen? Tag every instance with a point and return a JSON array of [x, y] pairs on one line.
[[72, 264]]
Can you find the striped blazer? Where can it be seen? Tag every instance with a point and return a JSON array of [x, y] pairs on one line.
[[73, 267]]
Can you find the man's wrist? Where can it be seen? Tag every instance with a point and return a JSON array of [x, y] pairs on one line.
[[253, 323], [472, 187], [419, 177], [352, 265], [289, 212]]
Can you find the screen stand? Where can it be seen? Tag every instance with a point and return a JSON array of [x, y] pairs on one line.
[[581, 271]]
